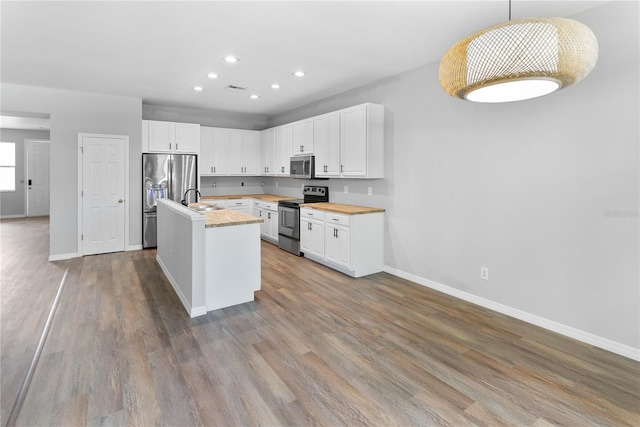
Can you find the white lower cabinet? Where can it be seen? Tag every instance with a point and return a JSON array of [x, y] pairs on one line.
[[312, 232], [241, 205], [337, 245], [352, 244], [269, 213]]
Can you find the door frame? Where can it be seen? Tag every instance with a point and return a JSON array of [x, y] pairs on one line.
[[25, 178], [127, 206]]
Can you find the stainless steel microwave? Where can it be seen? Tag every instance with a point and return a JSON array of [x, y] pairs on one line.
[[302, 167]]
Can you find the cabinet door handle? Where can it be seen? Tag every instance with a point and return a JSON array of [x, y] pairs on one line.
[[214, 169], [177, 146], [169, 146], [341, 168]]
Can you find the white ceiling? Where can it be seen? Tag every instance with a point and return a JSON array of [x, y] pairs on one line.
[[158, 50]]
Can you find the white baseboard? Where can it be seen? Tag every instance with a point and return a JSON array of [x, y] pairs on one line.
[[13, 216], [62, 257], [586, 337], [193, 311], [134, 248]]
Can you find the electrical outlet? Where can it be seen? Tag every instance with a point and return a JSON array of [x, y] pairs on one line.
[[242, 184], [276, 183], [370, 191], [346, 189], [484, 273], [213, 184], [263, 183]]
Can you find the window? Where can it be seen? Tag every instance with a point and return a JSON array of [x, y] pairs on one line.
[[7, 166]]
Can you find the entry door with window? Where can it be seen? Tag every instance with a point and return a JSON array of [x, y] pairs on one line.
[[103, 191]]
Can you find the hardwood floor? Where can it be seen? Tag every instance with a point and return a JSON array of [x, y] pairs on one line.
[[315, 348]]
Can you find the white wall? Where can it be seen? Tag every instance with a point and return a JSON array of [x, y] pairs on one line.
[[12, 204], [542, 192], [72, 113]]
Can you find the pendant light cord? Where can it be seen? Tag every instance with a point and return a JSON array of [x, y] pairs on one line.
[[509, 10]]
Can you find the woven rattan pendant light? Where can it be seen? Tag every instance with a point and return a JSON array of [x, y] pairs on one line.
[[519, 59]]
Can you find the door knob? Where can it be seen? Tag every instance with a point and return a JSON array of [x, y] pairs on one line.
[[120, 200]]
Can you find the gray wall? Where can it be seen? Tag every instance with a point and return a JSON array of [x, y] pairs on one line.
[[13, 204], [72, 113], [543, 192], [212, 118]]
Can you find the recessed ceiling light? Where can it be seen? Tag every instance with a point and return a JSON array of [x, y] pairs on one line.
[[275, 86], [231, 59], [198, 88], [212, 75], [254, 96], [299, 73]]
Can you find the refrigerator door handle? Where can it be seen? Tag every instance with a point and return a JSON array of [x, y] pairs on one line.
[[170, 181]]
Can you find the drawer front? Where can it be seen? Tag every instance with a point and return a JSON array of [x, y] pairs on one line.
[[270, 206], [332, 218], [237, 203], [312, 214]]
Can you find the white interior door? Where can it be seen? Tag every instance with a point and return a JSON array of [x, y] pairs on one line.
[[37, 178], [103, 194]]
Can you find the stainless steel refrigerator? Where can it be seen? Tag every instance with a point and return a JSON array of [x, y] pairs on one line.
[[165, 176]]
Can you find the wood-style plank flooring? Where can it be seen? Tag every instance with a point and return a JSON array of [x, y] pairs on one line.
[[315, 348]]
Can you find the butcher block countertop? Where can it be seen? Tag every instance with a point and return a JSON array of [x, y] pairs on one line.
[[229, 217], [226, 217], [342, 208], [264, 197]]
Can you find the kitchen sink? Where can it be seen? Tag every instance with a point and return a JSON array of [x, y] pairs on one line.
[[205, 208]]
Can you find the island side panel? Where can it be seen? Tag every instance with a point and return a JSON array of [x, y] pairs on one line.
[[181, 254], [232, 265]]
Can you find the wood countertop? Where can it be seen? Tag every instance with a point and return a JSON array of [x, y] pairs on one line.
[[226, 217], [342, 208], [229, 217], [265, 197]]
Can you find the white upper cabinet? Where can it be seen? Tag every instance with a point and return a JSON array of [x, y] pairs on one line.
[[326, 139], [268, 152], [214, 151], [244, 153], [284, 140], [303, 137], [170, 137], [205, 159], [361, 141]]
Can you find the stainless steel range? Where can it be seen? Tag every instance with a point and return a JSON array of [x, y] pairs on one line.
[[289, 217]]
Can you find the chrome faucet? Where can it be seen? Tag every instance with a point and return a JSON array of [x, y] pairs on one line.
[[184, 200]]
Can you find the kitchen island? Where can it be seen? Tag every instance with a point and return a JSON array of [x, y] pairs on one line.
[[211, 258]]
